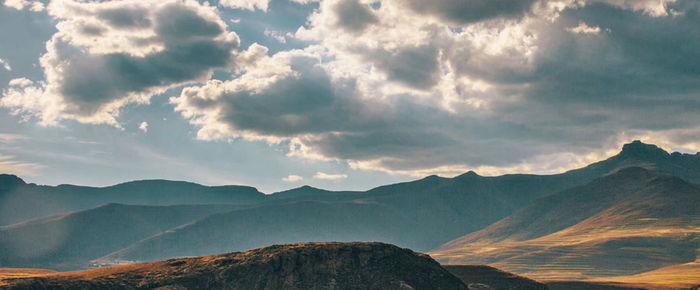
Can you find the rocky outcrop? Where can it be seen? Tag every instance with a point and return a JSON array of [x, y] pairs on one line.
[[293, 266]]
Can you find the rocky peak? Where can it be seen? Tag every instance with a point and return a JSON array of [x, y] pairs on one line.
[[643, 150]]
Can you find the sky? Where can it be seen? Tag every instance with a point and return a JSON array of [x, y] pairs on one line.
[[339, 94]]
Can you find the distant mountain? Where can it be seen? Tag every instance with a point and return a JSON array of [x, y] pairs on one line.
[[68, 241], [308, 192], [20, 201], [294, 266], [302, 221], [448, 208], [628, 222], [650, 157]]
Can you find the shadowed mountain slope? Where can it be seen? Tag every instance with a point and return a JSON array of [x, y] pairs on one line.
[[476, 275], [69, 240], [294, 266], [625, 223]]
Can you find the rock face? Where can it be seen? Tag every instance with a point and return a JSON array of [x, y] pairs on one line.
[[293, 266]]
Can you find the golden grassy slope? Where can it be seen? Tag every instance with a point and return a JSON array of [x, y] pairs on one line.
[[584, 252], [677, 276], [6, 273]]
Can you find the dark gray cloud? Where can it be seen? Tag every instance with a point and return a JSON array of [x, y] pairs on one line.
[[635, 65], [470, 11], [353, 15], [417, 67], [126, 17]]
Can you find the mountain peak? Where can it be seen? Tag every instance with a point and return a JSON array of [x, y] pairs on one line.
[[8, 181], [468, 174], [639, 149]]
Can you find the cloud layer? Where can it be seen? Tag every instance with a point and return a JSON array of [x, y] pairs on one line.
[[402, 86]]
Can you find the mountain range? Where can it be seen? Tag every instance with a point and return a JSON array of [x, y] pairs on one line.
[[631, 213], [631, 221]]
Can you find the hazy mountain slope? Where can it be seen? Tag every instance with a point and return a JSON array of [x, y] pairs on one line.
[[273, 224], [625, 223], [295, 266], [20, 201], [68, 241], [310, 193]]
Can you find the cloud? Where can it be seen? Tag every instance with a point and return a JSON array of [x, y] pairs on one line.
[[10, 166], [6, 65], [143, 126], [276, 35], [470, 11], [11, 138], [20, 82], [108, 54], [353, 15], [35, 6], [292, 178], [325, 176], [245, 4], [399, 86], [654, 8], [582, 28]]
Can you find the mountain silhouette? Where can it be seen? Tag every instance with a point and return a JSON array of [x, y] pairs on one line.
[[20, 201]]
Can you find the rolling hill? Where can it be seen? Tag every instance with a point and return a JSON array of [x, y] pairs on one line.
[[293, 266], [625, 223]]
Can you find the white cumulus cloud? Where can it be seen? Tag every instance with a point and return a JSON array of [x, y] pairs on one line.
[[292, 178], [326, 176], [6, 65], [143, 126]]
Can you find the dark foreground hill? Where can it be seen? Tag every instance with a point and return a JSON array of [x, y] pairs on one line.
[[292, 266]]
